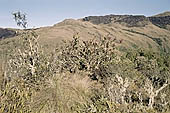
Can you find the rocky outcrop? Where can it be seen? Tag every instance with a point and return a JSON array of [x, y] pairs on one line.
[[167, 13], [134, 21], [161, 22], [104, 19], [129, 20], [98, 19], [6, 33]]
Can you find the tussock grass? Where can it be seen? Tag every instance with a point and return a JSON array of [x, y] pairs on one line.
[[63, 93]]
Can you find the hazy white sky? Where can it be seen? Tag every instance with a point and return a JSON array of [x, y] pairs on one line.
[[49, 12]]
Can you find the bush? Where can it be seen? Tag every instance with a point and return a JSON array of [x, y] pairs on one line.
[[92, 56]]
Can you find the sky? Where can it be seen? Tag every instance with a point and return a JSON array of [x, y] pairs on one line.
[[49, 12]]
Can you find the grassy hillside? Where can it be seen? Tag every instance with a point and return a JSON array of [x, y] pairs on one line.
[[133, 37], [135, 31], [167, 13]]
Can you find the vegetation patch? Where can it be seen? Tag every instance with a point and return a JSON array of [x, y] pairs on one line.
[[157, 40]]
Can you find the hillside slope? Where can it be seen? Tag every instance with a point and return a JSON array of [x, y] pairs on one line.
[[167, 13], [136, 31]]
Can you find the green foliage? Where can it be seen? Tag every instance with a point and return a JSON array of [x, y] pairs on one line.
[[27, 70], [29, 63], [92, 56], [15, 98], [20, 19], [155, 70]]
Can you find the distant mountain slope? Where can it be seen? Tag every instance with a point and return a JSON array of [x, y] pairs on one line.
[[143, 34], [161, 20], [129, 20], [135, 30], [5, 33], [167, 13]]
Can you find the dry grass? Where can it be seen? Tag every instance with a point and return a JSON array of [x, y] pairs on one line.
[[64, 92], [1, 72], [62, 31], [1, 75]]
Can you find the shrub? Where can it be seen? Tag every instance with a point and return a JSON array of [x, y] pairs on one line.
[[91, 56]]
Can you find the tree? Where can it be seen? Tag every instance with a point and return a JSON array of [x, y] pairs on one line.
[[20, 19]]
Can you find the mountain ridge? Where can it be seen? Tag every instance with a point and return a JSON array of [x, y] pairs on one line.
[[135, 30], [166, 13], [130, 20]]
